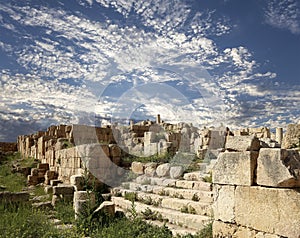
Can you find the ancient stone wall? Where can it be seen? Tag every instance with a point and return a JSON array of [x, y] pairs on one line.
[[256, 191]]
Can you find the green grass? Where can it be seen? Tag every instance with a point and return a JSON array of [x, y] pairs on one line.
[[165, 158], [65, 212], [13, 182], [22, 221]]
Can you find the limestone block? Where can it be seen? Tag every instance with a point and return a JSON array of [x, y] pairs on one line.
[[51, 175], [291, 137], [143, 179], [55, 182], [32, 180], [224, 230], [107, 207], [151, 149], [34, 172], [192, 176], [271, 210], [77, 181], [224, 203], [278, 168], [235, 168], [42, 205], [85, 195], [202, 186], [137, 167], [150, 169], [242, 143], [163, 170], [169, 182], [63, 189], [176, 172], [184, 184]]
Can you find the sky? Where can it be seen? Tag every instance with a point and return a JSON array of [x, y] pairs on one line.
[[206, 62]]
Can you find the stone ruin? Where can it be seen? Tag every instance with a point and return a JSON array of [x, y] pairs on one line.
[[256, 174]]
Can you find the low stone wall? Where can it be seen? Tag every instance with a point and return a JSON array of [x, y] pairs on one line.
[[257, 194], [8, 147]]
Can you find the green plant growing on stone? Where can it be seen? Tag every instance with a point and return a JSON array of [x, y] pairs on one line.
[[195, 198], [133, 211], [208, 179], [131, 196], [67, 145], [188, 209], [148, 214]]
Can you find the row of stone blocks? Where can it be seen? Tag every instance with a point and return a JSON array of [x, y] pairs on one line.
[[256, 191], [185, 203], [41, 174]]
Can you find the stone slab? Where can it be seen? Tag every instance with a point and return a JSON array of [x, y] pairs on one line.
[[278, 168], [235, 168], [242, 143], [271, 210]]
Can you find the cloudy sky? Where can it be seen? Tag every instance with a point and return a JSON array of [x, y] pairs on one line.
[[205, 62]]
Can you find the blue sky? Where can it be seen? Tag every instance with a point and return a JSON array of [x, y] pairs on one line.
[[206, 62]]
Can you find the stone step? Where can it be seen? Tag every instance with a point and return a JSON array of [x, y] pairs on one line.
[[176, 230], [200, 208], [166, 182], [191, 221], [189, 194]]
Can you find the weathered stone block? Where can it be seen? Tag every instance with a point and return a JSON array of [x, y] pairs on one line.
[[291, 137], [224, 203], [84, 195], [275, 211], [242, 143], [63, 189], [176, 172], [77, 181], [107, 207], [163, 170], [278, 168], [137, 167], [235, 168], [150, 169]]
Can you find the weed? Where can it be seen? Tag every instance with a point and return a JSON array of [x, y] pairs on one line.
[[188, 209], [195, 198], [148, 214], [208, 179], [65, 212], [131, 196]]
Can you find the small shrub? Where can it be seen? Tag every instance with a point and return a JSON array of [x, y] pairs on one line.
[[188, 209], [148, 214], [195, 198], [208, 179], [132, 196], [206, 232]]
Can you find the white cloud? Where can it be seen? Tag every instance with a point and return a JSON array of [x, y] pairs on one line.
[[74, 60], [284, 14]]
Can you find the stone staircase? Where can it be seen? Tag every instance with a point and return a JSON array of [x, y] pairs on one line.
[[184, 205]]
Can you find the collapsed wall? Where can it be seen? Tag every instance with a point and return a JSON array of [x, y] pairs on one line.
[[256, 191]]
